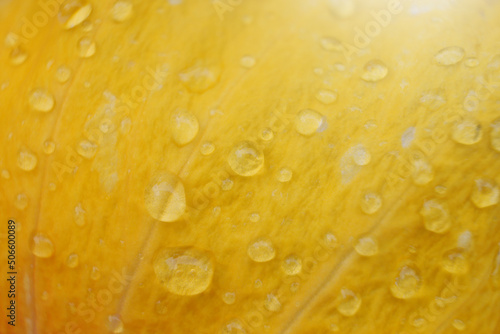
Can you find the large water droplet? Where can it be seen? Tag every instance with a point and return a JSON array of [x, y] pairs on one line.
[[41, 100], [246, 159], [184, 126], [261, 250], [26, 160], [374, 70], [165, 198], [349, 302], [407, 283], [486, 193], [291, 265], [122, 11], [72, 260], [115, 324], [449, 56], [199, 78], [435, 216], [86, 47], [74, 12], [184, 271], [366, 246], [455, 261], [21, 201], [467, 132], [371, 203], [308, 122], [42, 246], [272, 303]]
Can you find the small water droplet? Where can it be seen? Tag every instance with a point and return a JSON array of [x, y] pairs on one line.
[[86, 149], [261, 250], [49, 147], [184, 126], [331, 44], [360, 155], [441, 190], [122, 11], [18, 56], [267, 134], [326, 96], [467, 132], [371, 203], [247, 61], [257, 284], [233, 327], [74, 12], [486, 193], [95, 274], [374, 70], [106, 125], [435, 216], [272, 303], [246, 159], [165, 198], [459, 325], [42, 246], [52, 186], [41, 100], [63, 74], [72, 260], [5, 174], [79, 215], [254, 217], [366, 246], [449, 56], [471, 62], [284, 175], [26, 160], [199, 79], [422, 172], [207, 148], [407, 283], [115, 324], [227, 184], [330, 240], [86, 47], [455, 262], [291, 265], [308, 122], [184, 271], [21, 201], [229, 298], [349, 302]]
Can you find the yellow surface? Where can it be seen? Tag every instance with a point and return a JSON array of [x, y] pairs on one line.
[[242, 68]]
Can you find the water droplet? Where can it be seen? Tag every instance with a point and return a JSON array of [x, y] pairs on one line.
[[42, 246], [198, 79], [366, 246], [229, 298], [371, 203], [122, 11], [26, 160], [360, 155], [455, 262], [407, 283], [495, 135], [74, 12], [441, 190], [261, 250], [267, 134], [21, 201], [72, 260], [95, 274], [342, 8], [86, 47], [63, 74], [41, 100], [184, 126], [165, 198], [291, 265], [233, 327], [254, 217], [86, 149], [161, 307], [184, 271], [284, 175], [257, 284], [331, 44], [486, 193], [246, 159], [467, 132], [471, 62], [18, 56], [326, 96], [435, 216], [308, 122], [423, 172], [227, 184], [349, 303], [272, 303], [49, 147], [459, 325], [106, 125], [330, 240], [115, 324], [125, 125], [449, 56], [374, 71], [5, 174], [207, 148], [247, 61], [52, 186]]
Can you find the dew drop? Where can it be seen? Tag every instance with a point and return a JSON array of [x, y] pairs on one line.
[[184, 271], [86, 149], [115, 324], [42, 246], [272, 303], [229, 298], [261, 250], [374, 71], [247, 61], [308, 122], [435, 216], [26, 160], [254, 217], [459, 325], [41, 100], [106, 125], [330, 240], [267, 134], [165, 198], [21, 201], [199, 79], [331, 44], [284, 175], [407, 283], [246, 158], [349, 302], [366, 246], [326, 96], [455, 262], [18, 56], [95, 274], [184, 126], [227, 184], [449, 56], [49, 147], [291, 265], [422, 172], [122, 11], [72, 260], [467, 132], [207, 148], [86, 47], [63, 74], [371, 203], [360, 155], [486, 193], [233, 327], [74, 12]]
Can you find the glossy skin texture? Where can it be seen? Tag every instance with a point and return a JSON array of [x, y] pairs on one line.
[[399, 128]]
